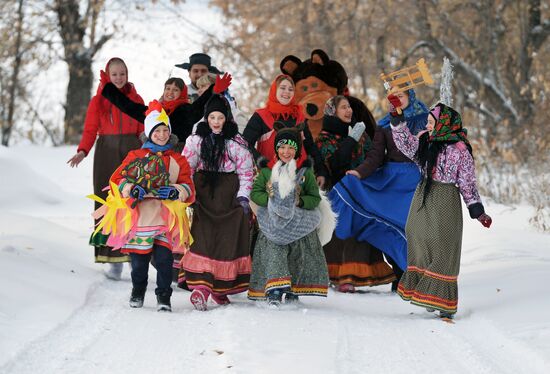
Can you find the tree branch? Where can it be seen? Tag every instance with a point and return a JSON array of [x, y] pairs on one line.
[[97, 46]]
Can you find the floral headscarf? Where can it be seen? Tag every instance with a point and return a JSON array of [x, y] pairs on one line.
[[448, 127], [330, 107]]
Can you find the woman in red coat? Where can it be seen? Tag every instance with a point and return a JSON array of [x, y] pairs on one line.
[[116, 134]]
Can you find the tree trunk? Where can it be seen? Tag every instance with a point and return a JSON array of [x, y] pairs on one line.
[[72, 29], [6, 133], [78, 97]]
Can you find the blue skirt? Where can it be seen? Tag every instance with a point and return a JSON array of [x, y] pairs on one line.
[[375, 209]]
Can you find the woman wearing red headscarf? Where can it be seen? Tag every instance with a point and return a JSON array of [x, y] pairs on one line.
[[117, 134], [281, 107], [174, 101]]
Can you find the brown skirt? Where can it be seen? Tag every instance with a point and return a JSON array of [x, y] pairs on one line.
[[219, 258], [356, 263], [110, 151]]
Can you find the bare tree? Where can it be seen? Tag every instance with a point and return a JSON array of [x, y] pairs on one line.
[[496, 64], [14, 76], [80, 44]]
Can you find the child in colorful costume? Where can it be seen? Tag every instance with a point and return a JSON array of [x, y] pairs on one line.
[[144, 213], [434, 224], [288, 255]]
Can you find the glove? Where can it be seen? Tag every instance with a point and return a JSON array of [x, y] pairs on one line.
[[168, 193], [394, 104], [357, 131], [244, 203], [222, 83], [137, 192], [485, 220], [103, 78]]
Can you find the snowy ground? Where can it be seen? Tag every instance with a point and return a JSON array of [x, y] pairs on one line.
[[58, 314]]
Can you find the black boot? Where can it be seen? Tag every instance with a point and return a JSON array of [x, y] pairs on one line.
[[394, 286], [397, 271], [446, 315], [274, 297], [163, 303], [136, 298], [291, 298]]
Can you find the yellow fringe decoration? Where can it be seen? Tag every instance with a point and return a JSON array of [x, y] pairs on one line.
[[115, 203], [178, 216]]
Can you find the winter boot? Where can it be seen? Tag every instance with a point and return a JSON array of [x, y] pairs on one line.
[[431, 310], [394, 286], [199, 298], [114, 272], [448, 315], [274, 298], [220, 299], [346, 288], [163, 303], [290, 298], [137, 297]]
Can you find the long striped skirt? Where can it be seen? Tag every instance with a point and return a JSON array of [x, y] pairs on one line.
[[219, 258], [298, 268], [110, 151], [356, 263], [434, 237]]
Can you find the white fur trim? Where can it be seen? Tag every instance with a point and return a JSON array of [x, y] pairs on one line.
[[285, 175], [328, 220]]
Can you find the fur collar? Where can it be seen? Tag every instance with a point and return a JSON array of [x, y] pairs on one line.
[[285, 175], [229, 131]]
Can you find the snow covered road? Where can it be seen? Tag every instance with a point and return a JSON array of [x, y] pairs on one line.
[[58, 314], [372, 332]]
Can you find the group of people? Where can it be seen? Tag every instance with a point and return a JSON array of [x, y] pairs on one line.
[[273, 211]]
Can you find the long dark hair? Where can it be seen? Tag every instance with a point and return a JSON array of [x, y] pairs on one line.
[[427, 155], [427, 158], [213, 149]]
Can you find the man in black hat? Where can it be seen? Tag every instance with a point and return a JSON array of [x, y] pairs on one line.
[[199, 64]]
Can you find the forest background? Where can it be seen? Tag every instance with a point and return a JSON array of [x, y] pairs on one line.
[[50, 52]]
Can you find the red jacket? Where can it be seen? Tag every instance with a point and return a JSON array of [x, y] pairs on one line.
[[103, 118]]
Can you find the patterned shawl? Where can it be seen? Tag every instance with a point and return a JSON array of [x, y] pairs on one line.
[[448, 127]]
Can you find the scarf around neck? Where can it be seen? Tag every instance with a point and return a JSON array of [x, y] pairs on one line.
[[170, 106], [276, 108], [155, 147]]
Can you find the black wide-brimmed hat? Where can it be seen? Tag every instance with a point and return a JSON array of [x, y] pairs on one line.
[[199, 59]]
